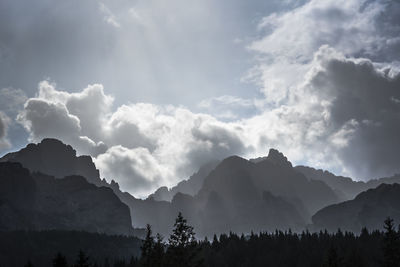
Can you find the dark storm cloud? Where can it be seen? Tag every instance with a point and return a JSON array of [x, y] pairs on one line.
[[368, 97]]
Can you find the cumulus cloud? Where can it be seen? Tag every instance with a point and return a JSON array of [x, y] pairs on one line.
[[141, 146], [329, 72], [136, 170], [55, 114]]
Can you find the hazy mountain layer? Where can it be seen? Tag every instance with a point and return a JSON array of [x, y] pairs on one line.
[[345, 187], [41, 202], [235, 195], [369, 209], [190, 186]]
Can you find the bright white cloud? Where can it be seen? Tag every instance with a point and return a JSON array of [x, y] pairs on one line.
[[141, 146]]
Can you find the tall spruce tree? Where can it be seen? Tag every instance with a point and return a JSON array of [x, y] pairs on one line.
[[181, 251], [147, 248], [391, 245]]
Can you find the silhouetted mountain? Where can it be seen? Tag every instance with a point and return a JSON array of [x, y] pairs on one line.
[[345, 187], [244, 189], [40, 202], [368, 209], [275, 157], [54, 158], [237, 195], [190, 186]]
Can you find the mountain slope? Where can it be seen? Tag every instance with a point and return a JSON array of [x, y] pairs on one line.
[[368, 209], [41, 202], [345, 187], [54, 158], [190, 186]]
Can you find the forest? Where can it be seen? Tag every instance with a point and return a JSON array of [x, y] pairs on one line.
[[368, 248]]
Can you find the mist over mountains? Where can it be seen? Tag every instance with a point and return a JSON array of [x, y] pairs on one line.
[[49, 187]]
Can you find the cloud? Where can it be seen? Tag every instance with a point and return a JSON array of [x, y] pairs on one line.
[[329, 73], [227, 107], [4, 122], [56, 114], [362, 105], [109, 17], [12, 100], [140, 145], [136, 170]]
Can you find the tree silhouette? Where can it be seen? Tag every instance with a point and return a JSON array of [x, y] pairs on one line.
[[60, 261], [391, 245], [182, 242], [83, 260], [157, 254], [147, 248]]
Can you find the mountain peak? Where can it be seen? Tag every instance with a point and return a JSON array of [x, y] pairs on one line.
[[276, 157], [53, 157]]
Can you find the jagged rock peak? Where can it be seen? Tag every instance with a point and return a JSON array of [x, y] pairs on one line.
[[53, 157], [276, 157]]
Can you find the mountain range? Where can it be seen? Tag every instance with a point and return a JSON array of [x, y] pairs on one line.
[[234, 194], [36, 201]]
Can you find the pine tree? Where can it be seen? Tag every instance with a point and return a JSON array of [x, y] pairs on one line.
[[60, 261], [391, 245], [181, 250], [157, 254], [83, 260], [147, 248]]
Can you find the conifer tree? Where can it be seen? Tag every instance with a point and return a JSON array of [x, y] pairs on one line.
[[181, 249], [157, 254], [147, 248], [391, 245]]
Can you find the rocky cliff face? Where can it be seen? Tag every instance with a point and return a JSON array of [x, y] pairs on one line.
[[41, 202]]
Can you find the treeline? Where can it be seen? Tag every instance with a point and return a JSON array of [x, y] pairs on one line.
[[276, 249], [41, 247]]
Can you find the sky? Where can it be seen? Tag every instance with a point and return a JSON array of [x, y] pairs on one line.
[[154, 89]]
